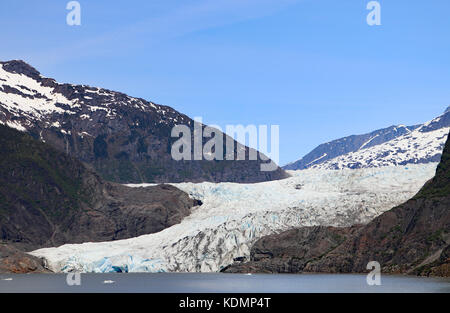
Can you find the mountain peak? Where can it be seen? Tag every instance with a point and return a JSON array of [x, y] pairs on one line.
[[125, 139], [381, 147], [20, 67]]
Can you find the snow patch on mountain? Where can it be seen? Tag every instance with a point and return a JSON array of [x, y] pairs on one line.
[[233, 216], [22, 95], [26, 99]]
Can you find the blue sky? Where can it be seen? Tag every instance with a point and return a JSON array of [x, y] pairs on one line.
[[314, 67]]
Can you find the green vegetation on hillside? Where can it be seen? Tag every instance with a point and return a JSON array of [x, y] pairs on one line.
[[36, 176]]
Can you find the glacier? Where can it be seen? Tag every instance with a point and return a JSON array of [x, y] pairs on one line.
[[233, 216], [418, 146]]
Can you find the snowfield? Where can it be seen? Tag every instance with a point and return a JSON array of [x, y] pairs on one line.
[[391, 146], [233, 216], [25, 100], [416, 147]]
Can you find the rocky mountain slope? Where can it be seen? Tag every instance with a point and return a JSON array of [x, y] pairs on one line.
[[292, 250], [411, 238], [13, 260], [124, 139], [48, 198], [395, 145]]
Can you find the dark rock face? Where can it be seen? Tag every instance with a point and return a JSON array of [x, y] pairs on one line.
[[403, 240], [48, 198], [125, 139], [15, 261], [292, 250], [412, 238]]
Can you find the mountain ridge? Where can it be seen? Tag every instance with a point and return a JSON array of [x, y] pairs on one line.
[[125, 139], [48, 198], [412, 238], [358, 151]]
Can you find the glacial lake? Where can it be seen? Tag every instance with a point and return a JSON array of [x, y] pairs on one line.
[[219, 283]]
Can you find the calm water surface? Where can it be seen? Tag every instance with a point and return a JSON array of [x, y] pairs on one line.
[[216, 282]]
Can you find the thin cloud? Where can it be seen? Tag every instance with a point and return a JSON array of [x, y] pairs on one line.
[[183, 20]]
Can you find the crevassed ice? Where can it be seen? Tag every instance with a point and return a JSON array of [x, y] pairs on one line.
[[233, 216]]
